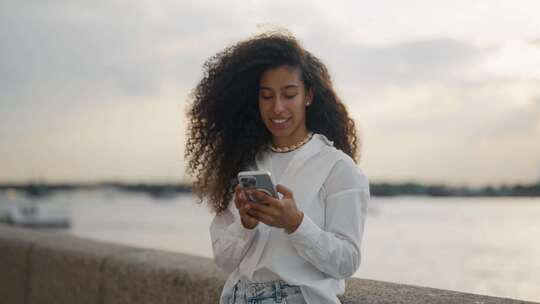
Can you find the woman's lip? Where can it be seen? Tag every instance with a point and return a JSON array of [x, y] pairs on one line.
[[280, 125]]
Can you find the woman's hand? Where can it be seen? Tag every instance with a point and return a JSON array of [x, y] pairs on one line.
[[281, 213], [244, 208]]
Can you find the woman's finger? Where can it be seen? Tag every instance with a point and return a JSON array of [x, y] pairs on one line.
[[266, 218], [252, 213], [238, 196], [248, 216], [287, 193], [243, 210], [265, 199], [266, 209]]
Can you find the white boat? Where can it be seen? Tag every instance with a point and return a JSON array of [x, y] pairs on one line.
[[32, 214], [7, 203], [4, 211]]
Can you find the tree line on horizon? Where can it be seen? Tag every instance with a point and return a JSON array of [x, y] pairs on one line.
[[168, 190]]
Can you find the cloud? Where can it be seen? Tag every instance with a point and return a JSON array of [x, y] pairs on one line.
[[491, 108], [60, 58], [110, 49], [515, 58], [430, 60], [73, 52], [119, 48]]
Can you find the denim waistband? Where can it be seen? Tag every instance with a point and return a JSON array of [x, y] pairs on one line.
[[254, 292]]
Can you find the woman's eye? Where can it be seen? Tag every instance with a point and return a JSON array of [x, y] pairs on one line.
[[266, 96], [290, 96]]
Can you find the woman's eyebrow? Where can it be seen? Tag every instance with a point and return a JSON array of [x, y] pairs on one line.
[[283, 88]]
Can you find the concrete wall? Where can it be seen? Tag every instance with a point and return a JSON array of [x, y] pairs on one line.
[[37, 267]]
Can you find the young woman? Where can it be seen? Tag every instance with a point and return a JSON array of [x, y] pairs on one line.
[[268, 104]]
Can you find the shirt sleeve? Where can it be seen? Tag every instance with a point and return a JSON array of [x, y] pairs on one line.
[[230, 239], [335, 248]]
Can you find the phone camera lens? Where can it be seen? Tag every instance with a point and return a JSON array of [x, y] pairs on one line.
[[248, 181]]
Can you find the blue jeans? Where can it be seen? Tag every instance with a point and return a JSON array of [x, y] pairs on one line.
[[266, 293]]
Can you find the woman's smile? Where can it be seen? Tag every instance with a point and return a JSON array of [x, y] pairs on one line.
[[280, 123], [279, 120]]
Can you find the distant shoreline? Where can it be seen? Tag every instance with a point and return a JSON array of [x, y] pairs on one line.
[[168, 190]]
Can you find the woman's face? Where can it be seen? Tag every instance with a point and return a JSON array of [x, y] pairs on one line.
[[282, 103]]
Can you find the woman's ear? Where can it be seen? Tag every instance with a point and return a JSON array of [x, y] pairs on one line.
[[309, 97]]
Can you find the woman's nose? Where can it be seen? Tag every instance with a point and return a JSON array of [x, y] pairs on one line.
[[278, 105]]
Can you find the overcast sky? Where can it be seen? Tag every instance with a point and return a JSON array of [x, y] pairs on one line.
[[443, 91]]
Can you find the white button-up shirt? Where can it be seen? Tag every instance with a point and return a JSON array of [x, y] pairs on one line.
[[324, 250]]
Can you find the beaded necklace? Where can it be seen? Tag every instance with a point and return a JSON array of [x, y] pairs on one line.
[[293, 147]]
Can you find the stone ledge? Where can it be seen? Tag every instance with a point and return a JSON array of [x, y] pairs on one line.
[[161, 277], [362, 291], [15, 248], [40, 267], [67, 269]]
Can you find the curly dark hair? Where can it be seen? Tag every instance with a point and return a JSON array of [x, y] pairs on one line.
[[226, 132]]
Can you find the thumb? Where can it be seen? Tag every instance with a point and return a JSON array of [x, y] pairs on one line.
[[287, 193]]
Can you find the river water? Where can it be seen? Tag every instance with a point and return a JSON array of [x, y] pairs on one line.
[[486, 246]]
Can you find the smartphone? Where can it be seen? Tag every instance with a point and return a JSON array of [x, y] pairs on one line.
[[258, 180]]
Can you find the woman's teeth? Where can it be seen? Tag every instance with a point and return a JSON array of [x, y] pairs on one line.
[[274, 120]]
